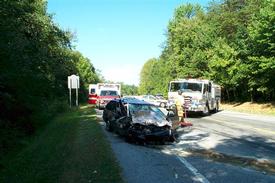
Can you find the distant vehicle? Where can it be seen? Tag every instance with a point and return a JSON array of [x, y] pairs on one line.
[[138, 120], [157, 101], [100, 94], [200, 95], [159, 96], [92, 94]]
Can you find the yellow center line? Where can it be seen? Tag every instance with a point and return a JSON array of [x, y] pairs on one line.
[[261, 130]]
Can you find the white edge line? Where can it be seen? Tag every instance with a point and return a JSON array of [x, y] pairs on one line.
[[199, 176]]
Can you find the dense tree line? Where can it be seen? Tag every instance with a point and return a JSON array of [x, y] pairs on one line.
[[127, 89], [231, 43], [36, 58]]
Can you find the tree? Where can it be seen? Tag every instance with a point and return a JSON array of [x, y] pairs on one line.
[[146, 84], [86, 71], [128, 89], [261, 62], [189, 37], [231, 43], [223, 67], [36, 58]]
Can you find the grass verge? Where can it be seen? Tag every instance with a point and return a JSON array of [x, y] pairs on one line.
[[248, 107], [72, 148]]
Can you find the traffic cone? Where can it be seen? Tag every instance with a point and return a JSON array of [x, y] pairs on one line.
[[185, 123]]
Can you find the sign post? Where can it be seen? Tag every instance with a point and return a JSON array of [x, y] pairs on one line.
[[70, 82], [73, 83]]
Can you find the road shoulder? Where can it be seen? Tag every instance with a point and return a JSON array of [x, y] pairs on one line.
[[72, 148]]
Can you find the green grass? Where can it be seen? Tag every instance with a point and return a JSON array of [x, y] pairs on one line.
[[72, 148], [253, 108]]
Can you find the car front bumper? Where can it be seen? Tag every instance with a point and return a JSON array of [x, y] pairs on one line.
[[161, 135]]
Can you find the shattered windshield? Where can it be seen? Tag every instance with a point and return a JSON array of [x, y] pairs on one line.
[[186, 87], [147, 114]]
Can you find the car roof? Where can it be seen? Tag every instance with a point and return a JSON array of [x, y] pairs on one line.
[[130, 100]]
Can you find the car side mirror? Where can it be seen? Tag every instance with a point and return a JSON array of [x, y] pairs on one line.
[[170, 114]]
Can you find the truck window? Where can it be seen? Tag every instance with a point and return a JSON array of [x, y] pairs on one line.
[[108, 93], [186, 87], [209, 88], [174, 87], [205, 88], [92, 91]]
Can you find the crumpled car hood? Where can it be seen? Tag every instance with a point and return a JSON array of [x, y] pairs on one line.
[[150, 120]]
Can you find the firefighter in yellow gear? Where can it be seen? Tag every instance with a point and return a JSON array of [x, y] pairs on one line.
[[180, 106]]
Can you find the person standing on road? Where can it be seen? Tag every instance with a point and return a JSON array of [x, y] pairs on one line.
[[180, 106]]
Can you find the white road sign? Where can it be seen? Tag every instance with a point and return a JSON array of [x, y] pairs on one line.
[[73, 82]]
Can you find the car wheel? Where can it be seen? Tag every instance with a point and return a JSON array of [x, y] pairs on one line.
[[162, 105], [129, 139], [108, 126], [104, 118]]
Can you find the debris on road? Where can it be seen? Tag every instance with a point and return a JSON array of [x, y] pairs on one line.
[[185, 124]]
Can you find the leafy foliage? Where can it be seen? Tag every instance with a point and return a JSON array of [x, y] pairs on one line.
[[128, 89], [231, 43], [154, 77], [36, 58]]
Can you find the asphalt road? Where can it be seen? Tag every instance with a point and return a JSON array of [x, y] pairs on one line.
[[234, 135]]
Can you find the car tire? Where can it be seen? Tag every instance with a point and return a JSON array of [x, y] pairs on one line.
[[108, 126], [104, 118], [129, 139], [162, 105]]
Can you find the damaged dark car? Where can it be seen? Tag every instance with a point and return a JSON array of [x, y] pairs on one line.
[[138, 121]]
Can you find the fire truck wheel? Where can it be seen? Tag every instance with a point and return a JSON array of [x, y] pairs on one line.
[[217, 107], [206, 110]]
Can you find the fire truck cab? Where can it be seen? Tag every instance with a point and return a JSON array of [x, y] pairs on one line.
[[101, 93], [200, 95]]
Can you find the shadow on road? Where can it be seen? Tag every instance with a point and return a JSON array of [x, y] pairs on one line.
[[246, 151]]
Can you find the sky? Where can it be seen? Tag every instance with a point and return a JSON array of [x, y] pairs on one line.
[[118, 36]]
